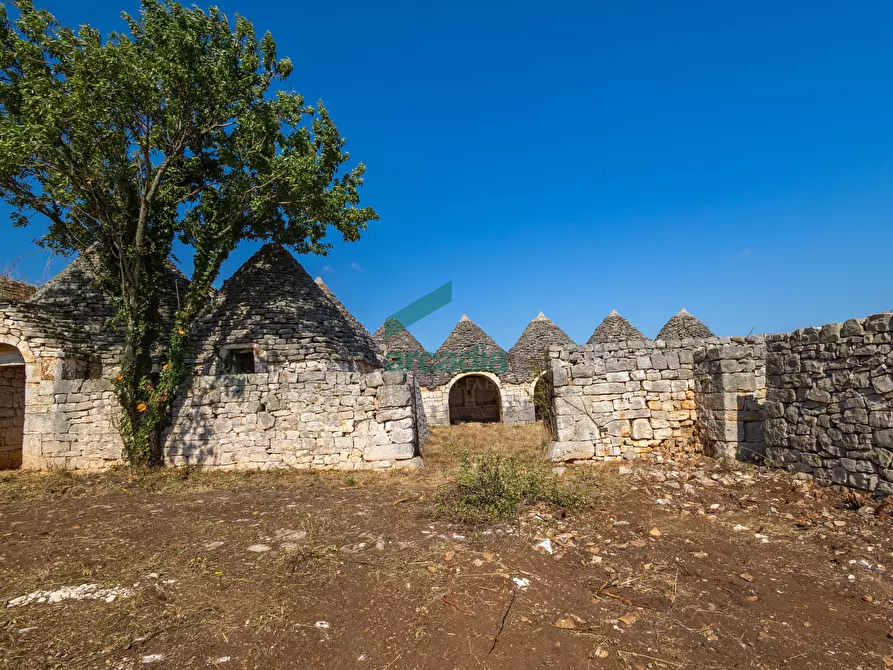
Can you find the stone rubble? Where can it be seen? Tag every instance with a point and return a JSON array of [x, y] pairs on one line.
[[81, 592]]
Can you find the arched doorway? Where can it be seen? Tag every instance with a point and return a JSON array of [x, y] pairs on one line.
[[12, 406], [475, 398]]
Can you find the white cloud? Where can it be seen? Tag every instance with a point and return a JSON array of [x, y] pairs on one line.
[[326, 268], [357, 267]]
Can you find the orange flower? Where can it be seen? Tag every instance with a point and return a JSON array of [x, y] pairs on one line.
[[165, 366], [181, 331], [141, 407], [120, 378]]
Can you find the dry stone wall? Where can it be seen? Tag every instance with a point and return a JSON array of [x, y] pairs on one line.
[[623, 399], [70, 422], [829, 402], [730, 391], [311, 419], [12, 415]]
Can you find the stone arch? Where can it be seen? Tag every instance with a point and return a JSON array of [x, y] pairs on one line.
[[20, 345], [475, 397], [15, 359]]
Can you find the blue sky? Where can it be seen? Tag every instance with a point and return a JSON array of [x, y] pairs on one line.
[[732, 159]]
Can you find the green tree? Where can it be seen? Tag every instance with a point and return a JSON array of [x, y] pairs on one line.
[[168, 131]]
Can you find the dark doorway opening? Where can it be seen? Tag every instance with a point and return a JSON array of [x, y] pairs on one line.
[[475, 398], [542, 400], [12, 407]]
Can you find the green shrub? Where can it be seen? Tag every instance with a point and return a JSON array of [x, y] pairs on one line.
[[490, 487]]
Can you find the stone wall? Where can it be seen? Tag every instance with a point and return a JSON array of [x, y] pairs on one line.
[[516, 401], [730, 390], [12, 415], [311, 419], [829, 402], [623, 399], [70, 421]]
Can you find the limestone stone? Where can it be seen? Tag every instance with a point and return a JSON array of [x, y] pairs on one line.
[[571, 451], [641, 430], [388, 452]]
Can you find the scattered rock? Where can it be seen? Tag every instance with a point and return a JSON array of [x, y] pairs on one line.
[[629, 619], [152, 658], [82, 592], [569, 622], [544, 547], [521, 583], [259, 548]]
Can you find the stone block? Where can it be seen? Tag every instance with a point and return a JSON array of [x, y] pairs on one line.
[[884, 438], [401, 435], [374, 379], [388, 452], [818, 395], [393, 378], [394, 396], [852, 328], [570, 451], [775, 432], [641, 430], [618, 428]]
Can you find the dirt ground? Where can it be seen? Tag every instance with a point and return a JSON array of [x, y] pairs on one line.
[[677, 564]]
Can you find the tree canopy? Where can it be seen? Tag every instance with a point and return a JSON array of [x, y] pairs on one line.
[[170, 130]]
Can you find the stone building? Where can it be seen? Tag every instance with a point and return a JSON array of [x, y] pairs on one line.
[[285, 376], [463, 380], [682, 326], [281, 378], [615, 329], [351, 319], [391, 336]]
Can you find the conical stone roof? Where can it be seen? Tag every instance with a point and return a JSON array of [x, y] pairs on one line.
[[615, 329], [76, 306], [75, 290], [340, 306], [15, 291], [392, 336], [470, 347], [683, 325], [271, 301], [528, 354]]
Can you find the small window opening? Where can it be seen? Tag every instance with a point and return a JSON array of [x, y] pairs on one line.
[[240, 361], [243, 361]]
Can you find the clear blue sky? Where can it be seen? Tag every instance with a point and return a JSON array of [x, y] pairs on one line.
[[735, 159]]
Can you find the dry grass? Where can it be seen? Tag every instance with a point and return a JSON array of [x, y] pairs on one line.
[[446, 446], [442, 453]]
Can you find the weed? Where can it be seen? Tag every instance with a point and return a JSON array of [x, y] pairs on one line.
[[492, 487]]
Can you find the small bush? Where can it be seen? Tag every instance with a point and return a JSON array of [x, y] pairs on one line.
[[490, 487]]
